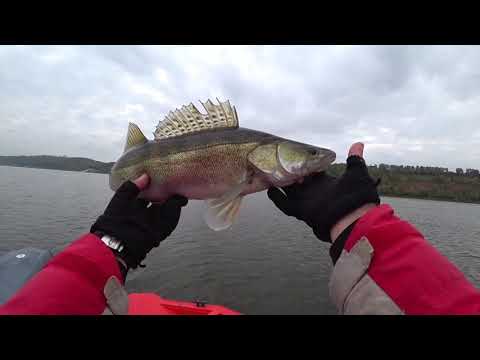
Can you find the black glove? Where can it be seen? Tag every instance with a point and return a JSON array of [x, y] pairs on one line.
[[139, 228], [322, 200]]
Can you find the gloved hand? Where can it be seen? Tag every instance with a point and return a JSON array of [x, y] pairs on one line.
[[322, 200], [139, 228]]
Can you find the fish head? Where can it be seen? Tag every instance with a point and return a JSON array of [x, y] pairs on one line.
[[303, 159], [284, 162]]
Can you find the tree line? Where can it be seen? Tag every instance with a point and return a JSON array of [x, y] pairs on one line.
[[423, 182], [425, 170]]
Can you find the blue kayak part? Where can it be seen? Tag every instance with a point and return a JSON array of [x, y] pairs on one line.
[[17, 267]]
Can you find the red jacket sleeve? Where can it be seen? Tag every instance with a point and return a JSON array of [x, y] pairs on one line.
[[71, 283], [405, 267]]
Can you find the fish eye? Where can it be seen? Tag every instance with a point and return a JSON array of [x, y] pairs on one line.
[[313, 152]]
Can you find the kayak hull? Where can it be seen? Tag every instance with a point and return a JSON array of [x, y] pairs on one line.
[[152, 304], [17, 267]]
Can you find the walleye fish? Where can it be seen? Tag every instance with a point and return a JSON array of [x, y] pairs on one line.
[[209, 157]]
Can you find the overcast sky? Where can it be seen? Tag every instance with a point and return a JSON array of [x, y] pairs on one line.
[[417, 105]]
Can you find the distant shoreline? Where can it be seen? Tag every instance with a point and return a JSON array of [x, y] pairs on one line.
[[422, 183], [57, 163], [434, 184], [429, 199], [45, 168]]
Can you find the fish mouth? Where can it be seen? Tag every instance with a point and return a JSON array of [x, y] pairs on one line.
[[331, 156]]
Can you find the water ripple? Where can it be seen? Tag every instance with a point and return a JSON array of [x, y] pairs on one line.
[[266, 263]]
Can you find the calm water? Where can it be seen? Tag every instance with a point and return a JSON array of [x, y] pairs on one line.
[[266, 263]]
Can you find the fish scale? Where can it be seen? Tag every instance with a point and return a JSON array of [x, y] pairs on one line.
[[221, 164]]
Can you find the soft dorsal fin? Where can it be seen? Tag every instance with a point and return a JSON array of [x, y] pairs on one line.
[[189, 120], [135, 137]]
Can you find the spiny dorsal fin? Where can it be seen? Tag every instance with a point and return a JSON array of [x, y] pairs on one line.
[[189, 120], [135, 137]]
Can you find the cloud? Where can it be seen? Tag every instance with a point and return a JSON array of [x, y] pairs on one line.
[[409, 104]]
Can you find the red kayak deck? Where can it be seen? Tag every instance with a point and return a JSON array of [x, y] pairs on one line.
[[152, 304]]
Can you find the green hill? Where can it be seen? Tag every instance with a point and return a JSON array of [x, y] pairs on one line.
[[421, 182], [57, 163]]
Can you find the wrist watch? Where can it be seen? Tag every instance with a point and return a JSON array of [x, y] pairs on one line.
[[116, 246], [112, 242]]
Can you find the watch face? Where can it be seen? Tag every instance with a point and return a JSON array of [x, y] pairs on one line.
[[112, 243]]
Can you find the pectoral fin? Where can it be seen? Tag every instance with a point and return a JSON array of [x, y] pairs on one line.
[[222, 212]]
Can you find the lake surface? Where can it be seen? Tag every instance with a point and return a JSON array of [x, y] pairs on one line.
[[266, 263]]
